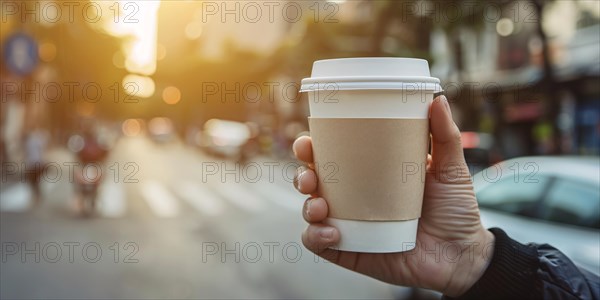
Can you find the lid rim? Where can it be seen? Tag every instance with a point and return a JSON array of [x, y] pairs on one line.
[[346, 86], [380, 58], [371, 73], [331, 79]]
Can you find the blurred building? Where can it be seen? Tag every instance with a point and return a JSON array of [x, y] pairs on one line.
[[72, 75], [191, 61], [496, 78]]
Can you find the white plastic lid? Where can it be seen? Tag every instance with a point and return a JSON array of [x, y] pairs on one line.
[[368, 73]]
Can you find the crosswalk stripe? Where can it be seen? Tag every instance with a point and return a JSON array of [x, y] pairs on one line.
[[201, 198], [111, 199], [160, 200], [240, 196], [274, 192], [15, 197]]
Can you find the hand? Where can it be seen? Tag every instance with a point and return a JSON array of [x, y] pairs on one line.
[[450, 255]]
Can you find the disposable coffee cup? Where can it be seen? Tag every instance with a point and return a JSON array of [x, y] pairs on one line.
[[370, 131]]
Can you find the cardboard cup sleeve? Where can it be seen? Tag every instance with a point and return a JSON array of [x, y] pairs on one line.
[[371, 169]]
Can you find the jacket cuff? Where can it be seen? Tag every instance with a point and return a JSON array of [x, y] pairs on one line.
[[510, 273]]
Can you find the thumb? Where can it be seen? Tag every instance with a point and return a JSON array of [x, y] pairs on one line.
[[448, 160]]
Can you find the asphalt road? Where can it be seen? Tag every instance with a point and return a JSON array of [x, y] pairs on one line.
[[171, 223]]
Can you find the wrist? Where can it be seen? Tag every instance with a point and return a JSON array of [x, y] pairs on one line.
[[474, 261], [510, 273]]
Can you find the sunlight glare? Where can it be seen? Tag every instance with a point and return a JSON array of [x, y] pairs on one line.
[[139, 86], [137, 22]]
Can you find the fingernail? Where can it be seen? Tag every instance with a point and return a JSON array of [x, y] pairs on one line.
[[294, 147], [307, 207], [297, 178], [299, 182], [326, 233], [446, 105]]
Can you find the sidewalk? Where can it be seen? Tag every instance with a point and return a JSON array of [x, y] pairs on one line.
[[15, 192], [12, 171]]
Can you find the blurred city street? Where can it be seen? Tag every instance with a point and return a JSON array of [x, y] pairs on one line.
[[146, 146], [167, 226]]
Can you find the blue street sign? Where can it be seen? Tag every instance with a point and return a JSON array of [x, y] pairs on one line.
[[20, 53]]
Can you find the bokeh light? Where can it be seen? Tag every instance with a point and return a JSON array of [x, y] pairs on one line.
[[85, 109], [75, 143], [47, 51], [171, 95], [161, 51], [505, 27], [160, 125], [193, 30], [131, 127], [139, 86], [118, 60]]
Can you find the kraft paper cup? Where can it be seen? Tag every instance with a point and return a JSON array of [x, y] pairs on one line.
[[370, 130]]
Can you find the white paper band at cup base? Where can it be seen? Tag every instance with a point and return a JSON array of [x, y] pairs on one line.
[[375, 237]]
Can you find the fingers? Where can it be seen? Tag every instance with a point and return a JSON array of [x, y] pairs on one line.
[[318, 237], [447, 151], [305, 180], [315, 210], [303, 149]]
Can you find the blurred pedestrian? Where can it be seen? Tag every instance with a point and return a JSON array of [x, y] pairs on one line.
[[89, 174], [35, 147], [2, 149]]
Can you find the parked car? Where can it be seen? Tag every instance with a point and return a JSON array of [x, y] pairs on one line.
[[162, 130], [553, 200], [476, 148], [225, 138]]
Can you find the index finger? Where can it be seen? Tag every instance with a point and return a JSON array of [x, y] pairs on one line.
[[303, 149]]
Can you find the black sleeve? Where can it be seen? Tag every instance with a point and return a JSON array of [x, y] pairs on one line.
[[531, 271]]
